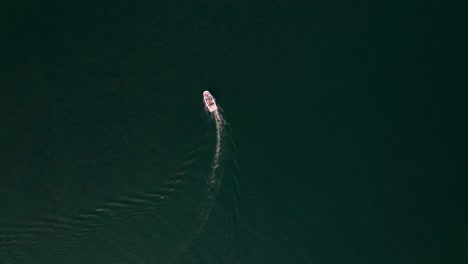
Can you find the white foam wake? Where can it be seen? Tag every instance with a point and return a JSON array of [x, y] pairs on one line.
[[219, 135], [213, 181], [215, 178]]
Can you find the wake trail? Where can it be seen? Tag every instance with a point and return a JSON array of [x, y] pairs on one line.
[[219, 133], [215, 177], [213, 181]]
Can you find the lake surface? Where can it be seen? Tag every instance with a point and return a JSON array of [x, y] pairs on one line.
[[341, 136]]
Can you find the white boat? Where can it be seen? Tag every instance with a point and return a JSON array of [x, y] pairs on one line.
[[210, 102]]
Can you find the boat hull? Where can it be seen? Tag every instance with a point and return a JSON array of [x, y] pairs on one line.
[[210, 102]]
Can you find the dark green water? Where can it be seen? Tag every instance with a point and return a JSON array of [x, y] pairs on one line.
[[343, 138]]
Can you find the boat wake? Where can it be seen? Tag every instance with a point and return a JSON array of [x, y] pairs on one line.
[[213, 181], [219, 135], [112, 222], [215, 177]]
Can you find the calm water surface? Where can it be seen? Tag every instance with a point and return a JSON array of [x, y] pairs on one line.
[[342, 135]]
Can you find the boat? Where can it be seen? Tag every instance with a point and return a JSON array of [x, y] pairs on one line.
[[210, 102]]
